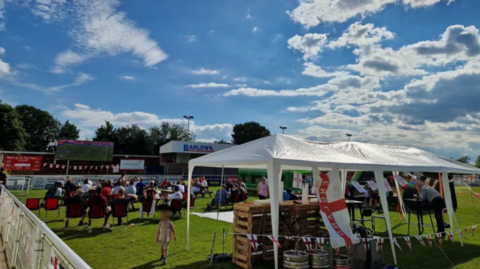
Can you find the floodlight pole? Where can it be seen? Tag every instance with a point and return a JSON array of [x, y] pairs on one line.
[[283, 129], [188, 122], [349, 135]]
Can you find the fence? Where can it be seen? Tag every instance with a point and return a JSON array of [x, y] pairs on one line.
[[28, 242]]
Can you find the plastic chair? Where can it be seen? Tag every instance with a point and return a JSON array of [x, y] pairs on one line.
[[33, 204], [176, 206], [184, 196], [147, 207], [120, 211], [74, 211], [116, 196], [244, 197], [50, 205], [192, 204]]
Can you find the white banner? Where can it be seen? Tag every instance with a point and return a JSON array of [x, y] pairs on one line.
[[132, 164]]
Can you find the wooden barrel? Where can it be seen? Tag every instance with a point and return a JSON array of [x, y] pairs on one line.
[[341, 262], [295, 260], [319, 260]]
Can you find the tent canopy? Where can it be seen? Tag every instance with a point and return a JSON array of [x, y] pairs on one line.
[[296, 153]]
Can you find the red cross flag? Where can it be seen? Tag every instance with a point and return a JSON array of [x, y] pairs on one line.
[[466, 229], [106, 166], [253, 240], [429, 239], [408, 242], [45, 164], [473, 230], [57, 166], [297, 180], [308, 243], [101, 167], [420, 239], [365, 243], [80, 168], [347, 247], [51, 165], [435, 183], [450, 235], [75, 167], [396, 243], [379, 245], [320, 242], [440, 238], [274, 240], [331, 200], [461, 234], [91, 167]]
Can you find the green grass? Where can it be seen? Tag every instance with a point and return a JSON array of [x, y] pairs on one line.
[[136, 248]]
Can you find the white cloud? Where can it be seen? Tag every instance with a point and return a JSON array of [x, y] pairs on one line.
[[255, 29], [2, 51], [240, 79], [99, 29], [361, 35], [4, 67], [316, 71], [128, 77], [249, 17], [208, 85], [310, 44], [313, 12], [277, 38], [203, 71], [81, 79], [458, 43], [191, 38]]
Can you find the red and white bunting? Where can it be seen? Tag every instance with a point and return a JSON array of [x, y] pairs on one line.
[[450, 235], [420, 239], [80, 168], [288, 237], [91, 167], [95, 168], [435, 183], [347, 247], [63, 166], [440, 238], [466, 229], [45, 164], [101, 167], [379, 245], [337, 251], [461, 234], [429, 239], [396, 243], [57, 166], [74, 167], [474, 228], [365, 243], [106, 166], [320, 242], [409, 243], [308, 243], [51, 165], [274, 239], [253, 240]]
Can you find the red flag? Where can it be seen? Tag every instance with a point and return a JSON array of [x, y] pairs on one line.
[[101, 167], [253, 240], [408, 242], [379, 245], [450, 235], [474, 228], [106, 166], [79, 168], [274, 240], [347, 247], [91, 167], [420, 239], [429, 239]]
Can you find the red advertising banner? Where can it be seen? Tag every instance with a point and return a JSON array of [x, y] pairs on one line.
[[22, 163]]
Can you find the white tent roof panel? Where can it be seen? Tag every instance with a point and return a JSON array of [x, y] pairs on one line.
[[296, 153]]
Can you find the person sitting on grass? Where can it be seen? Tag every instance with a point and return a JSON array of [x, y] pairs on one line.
[[165, 229], [122, 199], [221, 196], [96, 199], [75, 200]]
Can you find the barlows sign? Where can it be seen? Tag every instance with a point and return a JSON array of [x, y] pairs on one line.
[[198, 148]]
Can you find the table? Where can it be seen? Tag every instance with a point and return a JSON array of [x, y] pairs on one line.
[[417, 206], [351, 209]]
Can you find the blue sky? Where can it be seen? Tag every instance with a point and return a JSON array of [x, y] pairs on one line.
[[401, 72]]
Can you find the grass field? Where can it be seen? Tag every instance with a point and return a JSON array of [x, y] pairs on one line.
[[136, 248], [84, 153]]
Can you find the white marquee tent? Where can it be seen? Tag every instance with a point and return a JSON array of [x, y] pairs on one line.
[[281, 152]]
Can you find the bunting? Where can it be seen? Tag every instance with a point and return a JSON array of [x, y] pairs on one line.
[[429, 239], [379, 245], [308, 243], [396, 243], [407, 239], [420, 239], [461, 234], [320, 242], [254, 241], [274, 239], [473, 230], [440, 238], [450, 235]]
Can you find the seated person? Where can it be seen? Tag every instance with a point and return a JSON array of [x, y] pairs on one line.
[[373, 197], [150, 195], [229, 186], [75, 200], [55, 191], [286, 196], [177, 195], [196, 188], [131, 190], [122, 199], [95, 198], [181, 186], [242, 184], [435, 199], [165, 184], [140, 188], [233, 193], [106, 190], [292, 196], [221, 196], [117, 188]]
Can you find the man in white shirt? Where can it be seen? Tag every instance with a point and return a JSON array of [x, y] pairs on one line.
[[176, 195], [181, 187]]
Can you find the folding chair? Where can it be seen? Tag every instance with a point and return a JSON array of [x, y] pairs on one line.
[[147, 207], [244, 197], [74, 211], [33, 204], [96, 212], [50, 205], [184, 196], [176, 206], [120, 211], [192, 204]]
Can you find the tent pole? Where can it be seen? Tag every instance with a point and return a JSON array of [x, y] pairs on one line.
[[274, 176], [343, 175], [447, 195], [383, 197], [190, 172], [399, 195]]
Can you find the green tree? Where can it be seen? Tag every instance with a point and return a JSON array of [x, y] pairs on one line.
[[168, 132], [12, 134], [105, 132], [69, 131], [41, 127], [248, 131], [221, 142], [464, 159], [477, 162]]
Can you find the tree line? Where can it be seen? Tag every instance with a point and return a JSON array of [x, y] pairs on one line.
[[466, 159], [27, 128]]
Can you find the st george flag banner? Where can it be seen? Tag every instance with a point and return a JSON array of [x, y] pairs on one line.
[[297, 180], [331, 200]]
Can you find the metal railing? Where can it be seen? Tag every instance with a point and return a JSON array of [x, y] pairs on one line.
[[28, 242]]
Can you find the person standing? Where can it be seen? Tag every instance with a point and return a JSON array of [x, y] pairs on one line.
[[165, 229], [431, 195], [262, 189]]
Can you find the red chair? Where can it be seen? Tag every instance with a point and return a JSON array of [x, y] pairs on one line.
[[116, 196], [237, 198], [147, 208], [120, 211], [33, 204], [74, 211], [176, 206], [192, 204], [95, 212], [50, 205], [184, 196], [244, 197]]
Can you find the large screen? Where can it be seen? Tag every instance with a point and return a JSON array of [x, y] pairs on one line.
[[84, 150]]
